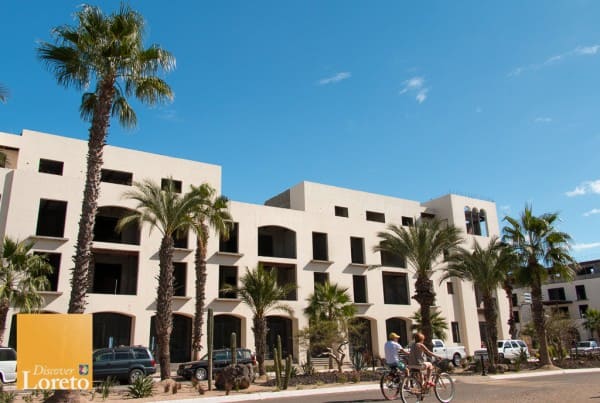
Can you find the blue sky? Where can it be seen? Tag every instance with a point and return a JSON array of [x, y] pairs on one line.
[[498, 100]]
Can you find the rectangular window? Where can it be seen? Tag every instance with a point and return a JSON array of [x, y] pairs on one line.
[[360, 289], [319, 243], [407, 221], [392, 260], [51, 167], [395, 288], [556, 294], [582, 311], [580, 291], [116, 177], [175, 184], [54, 260], [51, 218], [227, 277], [450, 287], [341, 211], [230, 245], [515, 299], [357, 250], [180, 240], [516, 317], [320, 278], [179, 278], [375, 216], [455, 332]]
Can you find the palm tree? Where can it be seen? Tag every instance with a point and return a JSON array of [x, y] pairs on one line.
[[542, 251], [487, 268], [172, 214], [592, 321], [22, 276], [439, 324], [107, 49], [211, 211], [421, 245], [260, 291]]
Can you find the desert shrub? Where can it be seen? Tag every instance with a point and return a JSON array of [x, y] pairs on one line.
[[141, 387], [106, 387]]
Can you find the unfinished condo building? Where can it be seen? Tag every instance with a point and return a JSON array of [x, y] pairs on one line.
[[310, 234]]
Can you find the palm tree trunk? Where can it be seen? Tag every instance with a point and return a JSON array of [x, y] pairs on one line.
[[512, 328], [200, 263], [260, 342], [491, 317], [425, 296], [89, 205], [4, 307], [537, 311], [164, 309]]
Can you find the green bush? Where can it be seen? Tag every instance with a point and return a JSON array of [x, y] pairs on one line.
[[106, 387], [141, 387]]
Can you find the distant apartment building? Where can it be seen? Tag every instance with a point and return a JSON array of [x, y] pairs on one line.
[[572, 298], [309, 234]]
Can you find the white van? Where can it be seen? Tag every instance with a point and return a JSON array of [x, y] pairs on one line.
[[8, 365]]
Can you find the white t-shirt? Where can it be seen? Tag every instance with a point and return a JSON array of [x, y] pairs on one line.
[[391, 349]]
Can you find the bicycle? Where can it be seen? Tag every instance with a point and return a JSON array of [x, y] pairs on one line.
[[412, 389], [390, 383]]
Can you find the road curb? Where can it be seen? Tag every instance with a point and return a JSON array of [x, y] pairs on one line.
[[544, 373]]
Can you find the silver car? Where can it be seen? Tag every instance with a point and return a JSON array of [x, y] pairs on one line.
[[8, 364]]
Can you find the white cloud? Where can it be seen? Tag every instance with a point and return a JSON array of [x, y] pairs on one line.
[[591, 212], [336, 78], [582, 246], [587, 187], [416, 84], [543, 119], [590, 50]]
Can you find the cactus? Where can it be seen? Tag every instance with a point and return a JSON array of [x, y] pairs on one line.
[[233, 349], [288, 371], [277, 364], [209, 334]]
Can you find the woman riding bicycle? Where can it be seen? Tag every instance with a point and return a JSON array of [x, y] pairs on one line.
[[417, 357]]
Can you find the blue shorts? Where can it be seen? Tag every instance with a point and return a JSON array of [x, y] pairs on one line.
[[400, 365]]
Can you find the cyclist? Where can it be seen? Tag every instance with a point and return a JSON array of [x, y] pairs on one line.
[[392, 351], [417, 357]]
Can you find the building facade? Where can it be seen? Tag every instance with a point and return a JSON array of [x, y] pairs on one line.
[[309, 234], [572, 298]]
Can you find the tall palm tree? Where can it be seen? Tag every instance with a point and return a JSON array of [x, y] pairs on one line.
[[542, 251], [171, 214], [107, 50], [22, 276], [212, 211], [422, 246], [259, 290], [487, 268]]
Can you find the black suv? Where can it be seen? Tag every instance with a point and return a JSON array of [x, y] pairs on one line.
[[123, 363], [221, 359]]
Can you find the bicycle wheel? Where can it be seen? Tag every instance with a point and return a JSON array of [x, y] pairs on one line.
[[390, 387], [444, 387], [412, 390]]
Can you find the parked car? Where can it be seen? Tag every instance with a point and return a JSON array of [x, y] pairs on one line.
[[221, 359], [452, 353], [8, 364], [507, 349], [586, 347], [123, 363]]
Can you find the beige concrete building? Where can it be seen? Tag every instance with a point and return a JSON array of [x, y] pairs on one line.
[[310, 233]]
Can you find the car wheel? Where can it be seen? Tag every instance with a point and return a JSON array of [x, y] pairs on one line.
[[200, 374], [135, 374], [456, 360]]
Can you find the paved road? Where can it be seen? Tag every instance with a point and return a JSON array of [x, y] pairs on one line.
[[548, 389]]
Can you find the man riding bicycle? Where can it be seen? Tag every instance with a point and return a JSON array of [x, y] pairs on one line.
[[392, 351]]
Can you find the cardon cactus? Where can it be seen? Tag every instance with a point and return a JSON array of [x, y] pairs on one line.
[[209, 335]]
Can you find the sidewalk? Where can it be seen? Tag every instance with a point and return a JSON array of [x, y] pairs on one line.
[[371, 386]]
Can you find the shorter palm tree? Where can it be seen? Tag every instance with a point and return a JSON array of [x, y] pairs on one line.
[[22, 276], [170, 213], [592, 321], [260, 292], [439, 324], [487, 268]]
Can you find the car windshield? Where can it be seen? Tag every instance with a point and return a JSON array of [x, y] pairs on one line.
[[584, 344]]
